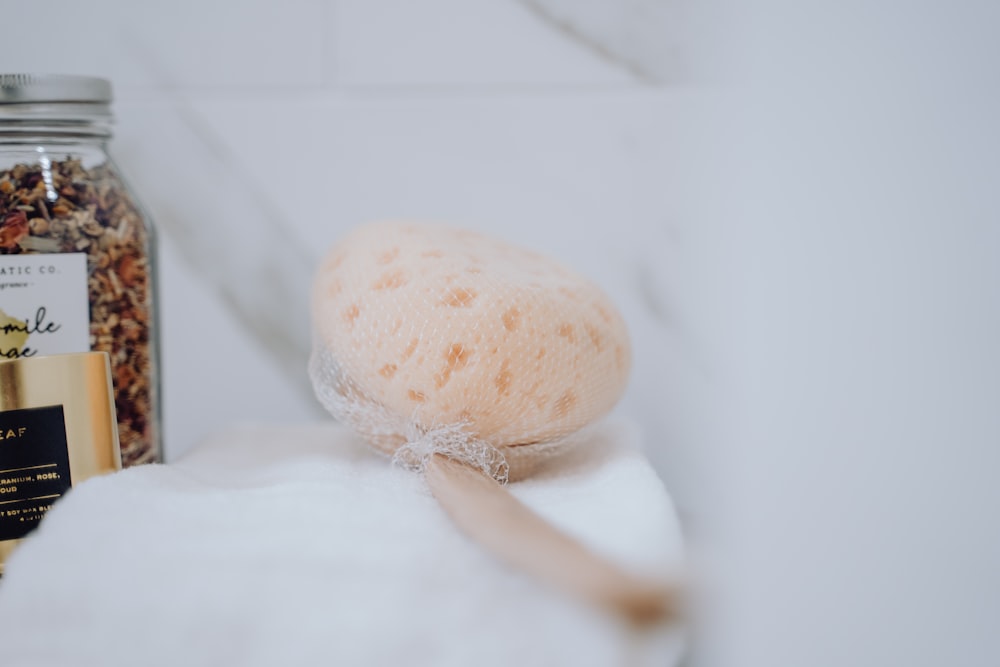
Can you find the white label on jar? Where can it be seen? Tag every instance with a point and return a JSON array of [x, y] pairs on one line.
[[44, 305]]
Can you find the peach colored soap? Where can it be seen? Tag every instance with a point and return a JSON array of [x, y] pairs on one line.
[[434, 325]]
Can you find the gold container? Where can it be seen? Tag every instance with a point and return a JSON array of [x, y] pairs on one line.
[[57, 428]]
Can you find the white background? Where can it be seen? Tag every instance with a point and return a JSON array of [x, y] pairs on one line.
[[805, 249]]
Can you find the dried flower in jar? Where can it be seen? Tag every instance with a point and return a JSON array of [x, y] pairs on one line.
[[66, 207]]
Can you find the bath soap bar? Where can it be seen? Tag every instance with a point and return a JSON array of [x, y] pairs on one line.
[[433, 325]]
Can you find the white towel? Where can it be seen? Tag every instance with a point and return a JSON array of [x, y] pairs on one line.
[[278, 545]]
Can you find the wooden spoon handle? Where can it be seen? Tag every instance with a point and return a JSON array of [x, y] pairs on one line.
[[487, 513]]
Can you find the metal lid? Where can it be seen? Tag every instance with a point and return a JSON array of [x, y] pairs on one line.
[[28, 88]]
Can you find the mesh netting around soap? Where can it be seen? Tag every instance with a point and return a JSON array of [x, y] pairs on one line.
[[434, 340]]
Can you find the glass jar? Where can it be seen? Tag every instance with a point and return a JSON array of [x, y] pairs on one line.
[[77, 253]]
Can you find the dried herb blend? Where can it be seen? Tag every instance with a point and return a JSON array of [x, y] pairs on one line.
[[64, 207]]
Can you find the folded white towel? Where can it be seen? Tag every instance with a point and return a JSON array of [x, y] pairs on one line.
[[286, 545]]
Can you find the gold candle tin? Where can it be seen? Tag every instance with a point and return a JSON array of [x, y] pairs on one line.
[[57, 428]]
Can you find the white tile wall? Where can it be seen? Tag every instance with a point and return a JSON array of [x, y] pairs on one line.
[[213, 44], [258, 132], [473, 44]]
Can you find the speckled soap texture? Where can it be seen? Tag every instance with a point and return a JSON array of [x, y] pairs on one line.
[[446, 326]]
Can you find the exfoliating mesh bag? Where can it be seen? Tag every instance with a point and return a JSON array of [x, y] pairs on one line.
[[435, 340]]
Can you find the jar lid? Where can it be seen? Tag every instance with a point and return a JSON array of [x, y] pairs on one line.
[[28, 88]]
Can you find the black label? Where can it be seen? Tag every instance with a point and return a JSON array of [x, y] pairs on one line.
[[34, 467]]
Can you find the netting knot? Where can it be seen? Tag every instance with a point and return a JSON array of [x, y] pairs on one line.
[[455, 442]]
